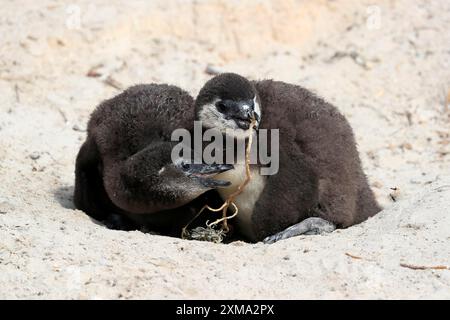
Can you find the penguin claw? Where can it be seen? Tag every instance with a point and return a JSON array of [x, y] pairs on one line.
[[271, 239], [309, 226]]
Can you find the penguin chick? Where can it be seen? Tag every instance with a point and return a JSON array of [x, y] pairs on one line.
[[320, 184], [124, 168]]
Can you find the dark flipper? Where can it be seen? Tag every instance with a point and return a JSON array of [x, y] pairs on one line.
[[277, 209], [90, 195]]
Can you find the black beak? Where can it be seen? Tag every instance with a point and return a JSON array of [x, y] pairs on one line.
[[203, 173], [205, 169], [246, 113]]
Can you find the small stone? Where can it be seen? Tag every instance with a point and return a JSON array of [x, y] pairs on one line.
[[77, 127], [35, 155], [213, 70]]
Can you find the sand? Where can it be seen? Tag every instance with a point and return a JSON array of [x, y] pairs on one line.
[[385, 64]]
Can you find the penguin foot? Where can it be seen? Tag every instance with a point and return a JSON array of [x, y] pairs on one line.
[[309, 226]]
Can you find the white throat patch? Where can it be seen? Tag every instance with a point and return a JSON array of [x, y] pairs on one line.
[[212, 118]]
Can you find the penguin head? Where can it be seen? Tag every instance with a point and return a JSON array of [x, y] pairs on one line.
[[185, 181], [228, 102]]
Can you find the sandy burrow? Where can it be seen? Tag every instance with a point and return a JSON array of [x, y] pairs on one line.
[[389, 74]]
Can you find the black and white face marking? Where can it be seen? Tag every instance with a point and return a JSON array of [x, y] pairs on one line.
[[229, 114]]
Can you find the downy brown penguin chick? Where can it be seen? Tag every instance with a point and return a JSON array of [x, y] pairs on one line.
[[320, 184], [124, 169]]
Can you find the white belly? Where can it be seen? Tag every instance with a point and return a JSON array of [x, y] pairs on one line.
[[247, 199]]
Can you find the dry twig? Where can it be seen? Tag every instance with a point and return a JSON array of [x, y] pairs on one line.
[[230, 201], [353, 256], [414, 267], [113, 83]]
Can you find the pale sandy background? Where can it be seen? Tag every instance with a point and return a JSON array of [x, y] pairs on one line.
[[385, 64]]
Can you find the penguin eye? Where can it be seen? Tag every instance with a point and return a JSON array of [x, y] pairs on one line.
[[184, 165], [221, 107]]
